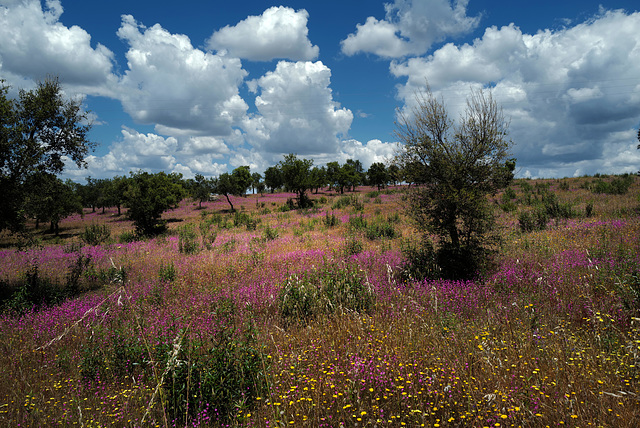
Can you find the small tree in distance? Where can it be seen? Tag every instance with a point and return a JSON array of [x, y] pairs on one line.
[[460, 167]]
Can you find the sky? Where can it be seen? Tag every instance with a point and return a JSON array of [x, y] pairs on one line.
[[202, 87]]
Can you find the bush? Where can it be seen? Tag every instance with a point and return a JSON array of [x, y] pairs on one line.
[[420, 261], [220, 379], [380, 230], [325, 292], [352, 246], [330, 220], [533, 220], [188, 239], [357, 222], [269, 233], [96, 234], [167, 272], [127, 237], [617, 186]]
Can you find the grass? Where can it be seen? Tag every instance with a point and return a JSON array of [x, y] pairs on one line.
[[550, 337]]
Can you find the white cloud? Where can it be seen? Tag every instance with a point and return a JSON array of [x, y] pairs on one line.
[[297, 113], [570, 93], [34, 44], [280, 32], [410, 27], [176, 86]]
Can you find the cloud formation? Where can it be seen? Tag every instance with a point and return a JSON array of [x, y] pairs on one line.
[[176, 86], [296, 111], [573, 95], [279, 33], [410, 27], [35, 45]]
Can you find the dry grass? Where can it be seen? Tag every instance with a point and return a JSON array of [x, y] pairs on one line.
[[551, 338]]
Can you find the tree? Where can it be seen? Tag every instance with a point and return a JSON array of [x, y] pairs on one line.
[[256, 179], [378, 175], [202, 189], [37, 132], [461, 165], [243, 179], [226, 185], [296, 176], [51, 200], [273, 178], [148, 196]]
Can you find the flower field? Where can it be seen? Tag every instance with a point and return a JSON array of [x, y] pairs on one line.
[[268, 317]]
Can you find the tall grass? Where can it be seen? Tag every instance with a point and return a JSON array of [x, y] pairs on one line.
[[304, 321]]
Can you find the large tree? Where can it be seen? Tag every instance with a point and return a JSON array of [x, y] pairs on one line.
[[148, 196], [460, 165], [378, 175], [296, 176], [38, 130], [273, 178]]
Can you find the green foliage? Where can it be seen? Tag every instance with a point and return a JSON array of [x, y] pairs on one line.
[[167, 272], [348, 200], [273, 178], [536, 219], [380, 229], [95, 234], [37, 291], [296, 177], [378, 175], [461, 166], [207, 233], [37, 131], [352, 246], [188, 242], [420, 261], [617, 186], [357, 222], [324, 292], [269, 233], [127, 237], [148, 196], [588, 210], [330, 220], [226, 375], [241, 218]]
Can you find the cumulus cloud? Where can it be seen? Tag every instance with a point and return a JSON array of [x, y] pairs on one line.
[[410, 27], [35, 44], [571, 94], [280, 32], [297, 113], [176, 86]]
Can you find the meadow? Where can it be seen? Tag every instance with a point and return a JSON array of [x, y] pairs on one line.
[[270, 317]]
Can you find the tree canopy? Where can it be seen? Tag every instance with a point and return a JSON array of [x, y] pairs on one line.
[[460, 165], [38, 131]]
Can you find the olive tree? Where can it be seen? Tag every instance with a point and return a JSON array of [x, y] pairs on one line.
[[460, 165]]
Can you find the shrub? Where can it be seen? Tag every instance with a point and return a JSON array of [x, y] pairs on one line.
[[95, 234], [325, 292], [269, 233], [167, 272], [352, 246], [533, 220], [224, 377], [330, 220], [420, 261], [188, 239], [379, 230], [127, 237], [588, 210], [357, 222]]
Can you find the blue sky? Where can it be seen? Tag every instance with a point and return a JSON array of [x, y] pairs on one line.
[[206, 86]]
